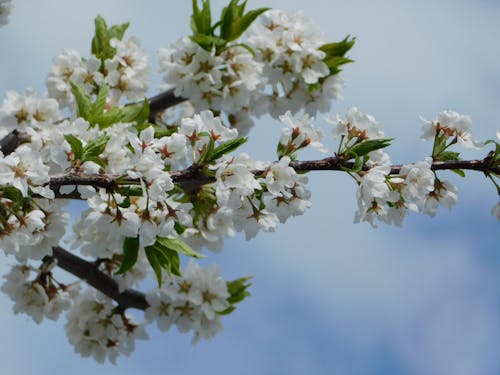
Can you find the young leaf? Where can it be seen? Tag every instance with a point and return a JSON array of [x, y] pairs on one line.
[[338, 48], [439, 144], [100, 102], [207, 42], [206, 156], [83, 103], [460, 172], [76, 146], [244, 22], [238, 289], [369, 145], [449, 155], [101, 46], [168, 259], [117, 31], [358, 164], [130, 252], [201, 21], [153, 261], [138, 113], [238, 292], [96, 147], [226, 148], [178, 245]]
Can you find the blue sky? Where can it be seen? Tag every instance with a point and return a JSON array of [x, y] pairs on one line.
[[329, 297]]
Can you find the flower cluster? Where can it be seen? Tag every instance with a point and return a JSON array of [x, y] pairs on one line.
[[96, 328], [23, 112], [41, 297], [281, 68], [192, 302], [451, 124], [228, 81], [388, 197], [124, 70], [294, 65]]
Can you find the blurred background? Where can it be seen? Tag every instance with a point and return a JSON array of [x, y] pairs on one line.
[[328, 296]]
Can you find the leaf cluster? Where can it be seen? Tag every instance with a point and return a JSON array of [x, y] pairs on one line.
[[232, 24], [336, 54]]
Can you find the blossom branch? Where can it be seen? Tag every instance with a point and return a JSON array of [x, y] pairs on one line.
[[193, 177], [334, 163], [88, 271]]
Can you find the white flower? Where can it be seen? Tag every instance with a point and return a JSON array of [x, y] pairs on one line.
[[363, 123], [127, 71], [443, 193], [301, 132], [280, 177], [373, 195], [161, 309], [452, 124], [419, 181], [24, 169], [66, 66]]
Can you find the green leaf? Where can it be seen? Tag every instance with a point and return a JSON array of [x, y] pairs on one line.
[[153, 261], [201, 20], [460, 172], [169, 260], [83, 103], [226, 148], [95, 160], [358, 163], [118, 31], [449, 155], [243, 23], [206, 156], [101, 46], [207, 42], [237, 290], [335, 54], [178, 245], [96, 147], [338, 48], [369, 145], [76, 146], [138, 113], [439, 145], [100, 102], [130, 252]]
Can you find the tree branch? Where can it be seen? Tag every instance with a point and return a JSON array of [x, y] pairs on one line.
[[12, 141], [162, 101], [88, 271], [190, 179]]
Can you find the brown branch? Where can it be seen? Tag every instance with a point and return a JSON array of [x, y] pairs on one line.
[[12, 141], [333, 163], [162, 101], [190, 179], [88, 271]]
